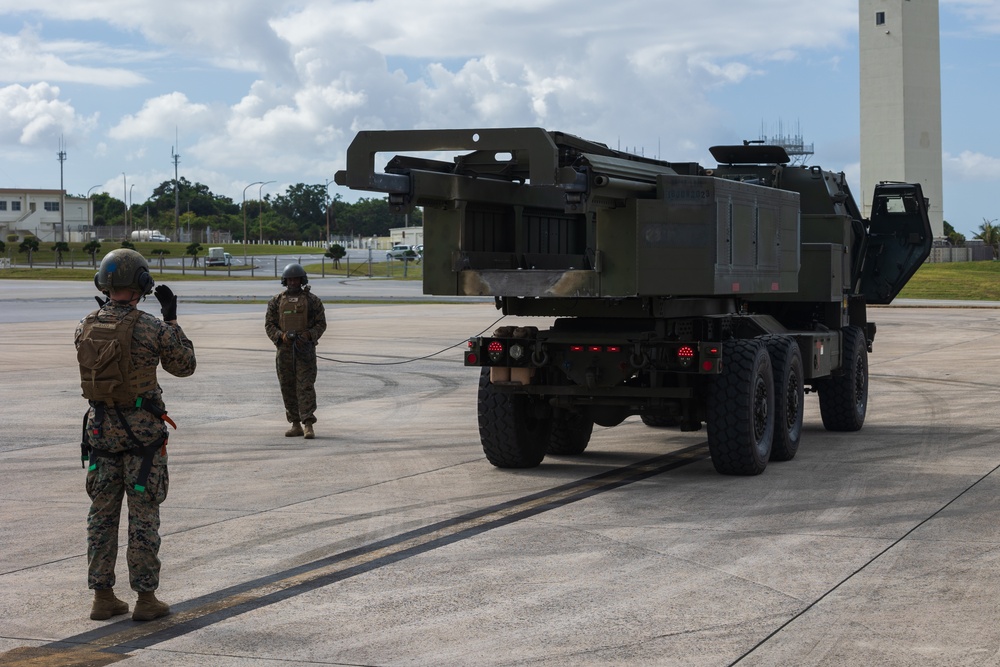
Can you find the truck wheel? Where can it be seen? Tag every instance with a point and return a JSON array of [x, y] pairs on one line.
[[659, 421], [514, 429], [786, 365], [571, 431], [843, 399], [741, 409]]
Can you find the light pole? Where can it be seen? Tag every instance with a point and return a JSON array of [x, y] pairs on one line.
[[90, 207], [128, 211], [260, 209], [326, 188], [245, 220], [125, 203]]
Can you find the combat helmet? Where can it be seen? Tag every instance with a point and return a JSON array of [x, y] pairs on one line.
[[124, 268], [293, 271]]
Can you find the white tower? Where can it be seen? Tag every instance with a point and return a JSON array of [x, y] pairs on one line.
[[901, 99]]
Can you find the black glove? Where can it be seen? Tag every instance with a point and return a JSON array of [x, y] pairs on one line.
[[168, 302], [100, 301]]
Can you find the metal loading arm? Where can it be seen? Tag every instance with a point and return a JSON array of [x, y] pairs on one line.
[[532, 146]]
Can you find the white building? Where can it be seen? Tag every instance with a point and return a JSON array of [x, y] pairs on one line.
[[49, 215], [406, 236], [901, 99]]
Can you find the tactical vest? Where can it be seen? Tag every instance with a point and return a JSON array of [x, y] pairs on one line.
[[293, 312], [105, 356]]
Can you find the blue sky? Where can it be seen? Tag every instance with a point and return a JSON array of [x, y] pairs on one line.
[[248, 90]]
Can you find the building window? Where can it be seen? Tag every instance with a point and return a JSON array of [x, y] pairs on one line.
[[51, 206], [879, 18], [3, 206], [15, 206]]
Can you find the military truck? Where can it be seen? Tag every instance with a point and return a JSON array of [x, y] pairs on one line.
[[686, 295]]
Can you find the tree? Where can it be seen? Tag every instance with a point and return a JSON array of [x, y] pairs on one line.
[[3, 247], [59, 248], [305, 207], [108, 210], [128, 244], [335, 252], [193, 249], [92, 248], [989, 233], [28, 245], [955, 239]]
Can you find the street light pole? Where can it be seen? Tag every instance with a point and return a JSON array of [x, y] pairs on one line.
[[125, 203], [128, 211], [326, 188], [260, 209], [245, 220]]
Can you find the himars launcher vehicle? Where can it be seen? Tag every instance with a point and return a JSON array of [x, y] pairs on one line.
[[681, 294]]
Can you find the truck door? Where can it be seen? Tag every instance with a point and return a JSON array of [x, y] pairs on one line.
[[899, 240]]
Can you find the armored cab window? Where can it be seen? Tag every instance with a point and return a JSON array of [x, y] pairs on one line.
[[879, 18]]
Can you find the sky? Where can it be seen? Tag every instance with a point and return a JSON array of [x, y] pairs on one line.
[[249, 91]]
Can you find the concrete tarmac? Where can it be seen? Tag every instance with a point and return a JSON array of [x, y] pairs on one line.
[[390, 540]]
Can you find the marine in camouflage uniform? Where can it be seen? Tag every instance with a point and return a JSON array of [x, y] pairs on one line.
[[294, 322], [116, 432]]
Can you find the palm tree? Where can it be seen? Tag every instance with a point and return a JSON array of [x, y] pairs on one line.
[[989, 233]]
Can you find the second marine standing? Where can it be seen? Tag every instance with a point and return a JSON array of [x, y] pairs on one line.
[[295, 321]]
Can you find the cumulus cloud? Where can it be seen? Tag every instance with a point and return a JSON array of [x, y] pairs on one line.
[[159, 116], [35, 115], [24, 59], [972, 166]]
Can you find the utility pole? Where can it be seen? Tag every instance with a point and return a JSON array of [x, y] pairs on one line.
[[177, 192], [62, 193]]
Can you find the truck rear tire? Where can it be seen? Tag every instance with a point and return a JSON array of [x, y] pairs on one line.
[[843, 399], [741, 409], [786, 365], [515, 429], [571, 431]]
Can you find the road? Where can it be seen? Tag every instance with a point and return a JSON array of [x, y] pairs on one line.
[[389, 540]]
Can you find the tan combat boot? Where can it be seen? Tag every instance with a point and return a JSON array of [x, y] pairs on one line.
[[309, 432], [295, 431], [106, 605], [147, 607]]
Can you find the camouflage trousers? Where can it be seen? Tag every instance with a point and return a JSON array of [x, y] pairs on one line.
[[109, 481], [296, 367]]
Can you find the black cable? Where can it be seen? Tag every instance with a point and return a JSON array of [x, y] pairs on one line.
[[407, 361]]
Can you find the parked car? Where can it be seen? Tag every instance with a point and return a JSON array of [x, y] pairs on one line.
[[400, 251]]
